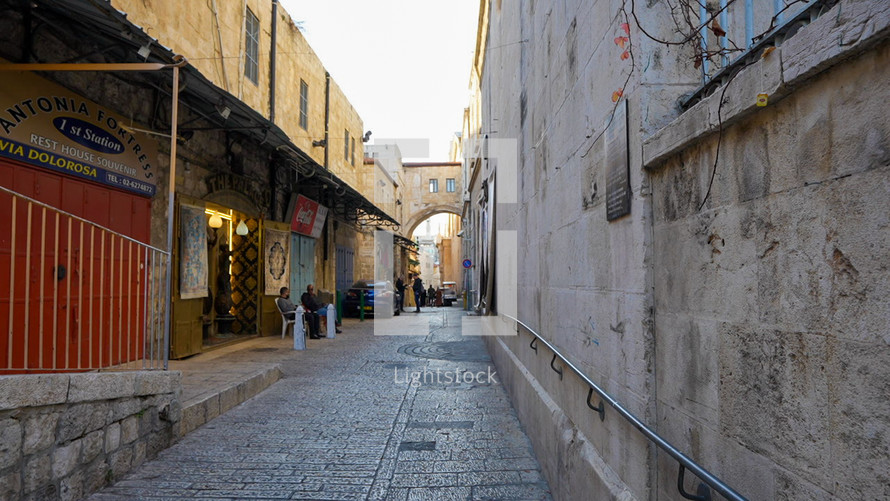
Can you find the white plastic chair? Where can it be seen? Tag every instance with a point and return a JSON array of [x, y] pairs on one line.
[[284, 320], [299, 332]]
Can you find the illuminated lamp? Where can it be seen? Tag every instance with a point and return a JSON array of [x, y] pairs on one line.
[[215, 221]]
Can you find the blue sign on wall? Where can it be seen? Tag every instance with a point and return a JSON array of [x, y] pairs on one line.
[[468, 263], [27, 153]]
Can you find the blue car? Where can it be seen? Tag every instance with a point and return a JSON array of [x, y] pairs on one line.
[[380, 297]]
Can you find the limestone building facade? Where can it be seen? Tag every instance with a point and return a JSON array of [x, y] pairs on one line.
[[261, 128], [263, 133], [704, 237]]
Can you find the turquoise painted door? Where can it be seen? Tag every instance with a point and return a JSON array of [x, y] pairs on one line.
[[344, 272], [302, 258]]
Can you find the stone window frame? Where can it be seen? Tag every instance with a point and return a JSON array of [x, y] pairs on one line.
[[346, 144], [352, 153], [450, 185], [304, 105], [434, 185], [251, 46]]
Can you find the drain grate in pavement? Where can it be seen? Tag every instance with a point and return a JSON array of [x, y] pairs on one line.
[[264, 349], [456, 351], [438, 425], [417, 446]]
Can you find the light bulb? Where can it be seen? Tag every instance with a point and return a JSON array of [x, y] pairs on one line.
[[241, 229], [215, 221]]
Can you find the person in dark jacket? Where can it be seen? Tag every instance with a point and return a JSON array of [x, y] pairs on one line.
[[319, 310], [431, 296], [400, 286], [418, 291]]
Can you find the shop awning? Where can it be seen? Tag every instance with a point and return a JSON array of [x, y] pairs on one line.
[[329, 190], [404, 242], [117, 40]]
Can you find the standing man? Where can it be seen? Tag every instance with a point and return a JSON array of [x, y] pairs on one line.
[[418, 291], [400, 286]]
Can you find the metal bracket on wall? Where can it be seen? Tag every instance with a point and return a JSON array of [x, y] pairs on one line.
[[601, 409], [534, 344], [702, 493], [558, 371]]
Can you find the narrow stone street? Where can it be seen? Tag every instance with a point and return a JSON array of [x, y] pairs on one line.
[[345, 422]]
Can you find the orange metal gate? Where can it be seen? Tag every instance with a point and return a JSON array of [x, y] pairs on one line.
[[73, 296]]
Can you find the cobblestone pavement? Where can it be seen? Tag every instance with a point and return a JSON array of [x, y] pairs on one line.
[[346, 423]]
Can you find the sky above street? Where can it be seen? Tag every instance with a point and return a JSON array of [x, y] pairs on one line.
[[403, 64]]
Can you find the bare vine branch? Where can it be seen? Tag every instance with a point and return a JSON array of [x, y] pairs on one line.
[[693, 33]]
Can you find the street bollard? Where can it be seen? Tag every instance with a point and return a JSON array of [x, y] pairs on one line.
[[299, 333], [332, 321]]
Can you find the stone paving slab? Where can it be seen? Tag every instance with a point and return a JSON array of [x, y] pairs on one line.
[[357, 417]]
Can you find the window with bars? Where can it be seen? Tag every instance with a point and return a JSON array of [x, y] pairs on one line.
[[434, 185], [252, 46], [352, 153], [449, 185], [732, 30], [346, 145], [304, 105]]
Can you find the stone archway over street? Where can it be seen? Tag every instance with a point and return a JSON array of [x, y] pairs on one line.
[[419, 197]]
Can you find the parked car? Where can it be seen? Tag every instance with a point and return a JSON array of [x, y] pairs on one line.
[[449, 293], [379, 296]]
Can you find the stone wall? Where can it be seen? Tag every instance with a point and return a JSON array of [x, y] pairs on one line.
[[751, 333], [772, 354], [581, 280], [63, 436]]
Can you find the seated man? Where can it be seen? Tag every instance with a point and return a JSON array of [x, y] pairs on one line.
[[288, 308], [319, 309]]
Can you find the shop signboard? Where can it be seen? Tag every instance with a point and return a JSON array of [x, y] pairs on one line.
[[44, 124], [308, 217]]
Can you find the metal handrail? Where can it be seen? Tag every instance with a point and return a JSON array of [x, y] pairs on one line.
[[123, 309], [685, 462], [78, 218]]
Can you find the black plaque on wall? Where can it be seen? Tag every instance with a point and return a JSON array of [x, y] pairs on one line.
[[618, 192]]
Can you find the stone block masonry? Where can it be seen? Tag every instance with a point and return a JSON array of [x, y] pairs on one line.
[[63, 436]]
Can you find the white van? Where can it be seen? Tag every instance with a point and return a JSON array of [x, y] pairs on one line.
[[449, 293]]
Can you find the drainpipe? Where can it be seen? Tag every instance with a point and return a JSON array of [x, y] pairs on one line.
[[222, 55], [272, 61], [327, 116]]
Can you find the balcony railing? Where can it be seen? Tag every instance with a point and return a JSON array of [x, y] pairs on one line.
[[75, 296]]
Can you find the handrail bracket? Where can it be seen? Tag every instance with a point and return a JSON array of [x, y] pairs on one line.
[[601, 409], [558, 371], [702, 493]]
